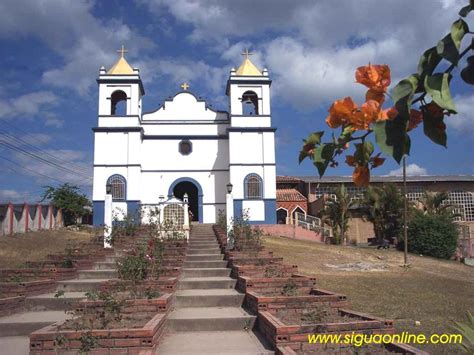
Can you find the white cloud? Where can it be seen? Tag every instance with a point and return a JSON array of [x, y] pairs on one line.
[[412, 170], [27, 105], [463, 122], [68, 27], [9, 195], [313, 48], [37, 138]]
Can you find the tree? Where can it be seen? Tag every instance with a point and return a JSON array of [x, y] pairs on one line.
[[383, 206], [336, 213], [435, 203], [423, 97], [69, 199]]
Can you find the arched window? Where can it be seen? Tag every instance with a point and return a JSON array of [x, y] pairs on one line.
[[119, 103], [249, 103], [253, 186], [298, 209], [117, 184]]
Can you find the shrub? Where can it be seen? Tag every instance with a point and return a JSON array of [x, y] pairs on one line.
[[133, 266], [243, 236], [431, 235]]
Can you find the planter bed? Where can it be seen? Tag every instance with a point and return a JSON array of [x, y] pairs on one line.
[[27, 288], [140, 306], [163, 285], [233, 254], [374, 349], [258, 261], [43, 272], [175, 261], [273, 301], [275, 285], [10, 305], [277, 269], [170, 271], [132, 340], [284, 328]]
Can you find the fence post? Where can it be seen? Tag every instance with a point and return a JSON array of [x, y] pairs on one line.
[[10, 206], [26, 211]]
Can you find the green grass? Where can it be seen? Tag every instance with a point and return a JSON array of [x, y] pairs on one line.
[[433, 292]]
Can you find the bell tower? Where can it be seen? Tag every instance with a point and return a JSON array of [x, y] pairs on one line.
[[120, 89], [252, 168]]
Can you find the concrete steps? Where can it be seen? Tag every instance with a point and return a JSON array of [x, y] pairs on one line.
[[83, 285], [26, 322], [212, 343], [205, 257], [210, 318], [209, 298], [97, 274], [104, 265], [206, 272], [191, 283], [207, 264], [49, 301]]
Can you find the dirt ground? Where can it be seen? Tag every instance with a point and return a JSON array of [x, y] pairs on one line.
[[34, 246], [433, 292]]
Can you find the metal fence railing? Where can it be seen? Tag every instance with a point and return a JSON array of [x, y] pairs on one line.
[[313, 223]]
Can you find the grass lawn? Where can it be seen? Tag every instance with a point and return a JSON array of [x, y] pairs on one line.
[[34, 246], [433, 292]]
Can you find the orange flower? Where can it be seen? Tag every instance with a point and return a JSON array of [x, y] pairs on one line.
[[375, 95], [350, 160], [416, 117], [361, 176], [375, 77], [368, 113], [340, 112], [388, 114]]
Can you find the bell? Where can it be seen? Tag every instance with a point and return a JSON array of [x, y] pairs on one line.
[[467, 74]]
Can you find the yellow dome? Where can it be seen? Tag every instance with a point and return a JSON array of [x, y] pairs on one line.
[[122, 66], [247, 68]]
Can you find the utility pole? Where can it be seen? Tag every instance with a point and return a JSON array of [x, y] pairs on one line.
[[405, 212]]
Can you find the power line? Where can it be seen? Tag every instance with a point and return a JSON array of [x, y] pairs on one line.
[[17, 129], [37, 157], [57, 160]]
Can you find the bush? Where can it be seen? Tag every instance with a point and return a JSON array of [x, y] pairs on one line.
[[431, 235]]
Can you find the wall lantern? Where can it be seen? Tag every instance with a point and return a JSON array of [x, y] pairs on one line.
[[229, 187], [108, 189]]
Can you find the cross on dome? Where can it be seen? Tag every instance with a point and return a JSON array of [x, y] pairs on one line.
[[122, 51], [246, 53], [185, 86]]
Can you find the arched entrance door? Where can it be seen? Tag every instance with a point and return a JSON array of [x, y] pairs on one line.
[[187, 187]]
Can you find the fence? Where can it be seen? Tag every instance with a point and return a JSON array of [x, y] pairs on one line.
[[466, 241], [22, 218], [312, 223]]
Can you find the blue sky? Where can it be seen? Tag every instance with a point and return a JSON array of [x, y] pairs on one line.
[[52, 50]]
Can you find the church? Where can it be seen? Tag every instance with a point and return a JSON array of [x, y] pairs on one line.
[[185, 147]]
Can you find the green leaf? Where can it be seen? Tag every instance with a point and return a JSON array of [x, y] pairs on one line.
[[303, 155], [447, 49], [465, 10], [437, 85], [322, 156], [458, 30], [402, 95], [467, 74], [434, 128], [314, 138], [363, 152], [392, 138], [428, 61]]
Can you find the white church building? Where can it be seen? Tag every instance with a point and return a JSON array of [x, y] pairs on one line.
[[184, 146]]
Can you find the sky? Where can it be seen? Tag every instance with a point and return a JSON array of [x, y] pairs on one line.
[[52, 51]]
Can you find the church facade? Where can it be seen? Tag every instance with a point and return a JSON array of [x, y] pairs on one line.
[[184, 146]]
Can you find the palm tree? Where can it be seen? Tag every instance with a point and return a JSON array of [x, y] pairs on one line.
[[383, 206], [435, 203], [336, 213]]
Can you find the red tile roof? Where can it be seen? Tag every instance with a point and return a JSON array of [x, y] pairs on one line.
[[289, 195], [289, 179]]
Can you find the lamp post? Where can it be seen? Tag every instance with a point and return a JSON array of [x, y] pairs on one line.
[[186, 214], [405, 213], [107, 215], [229, 211]]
